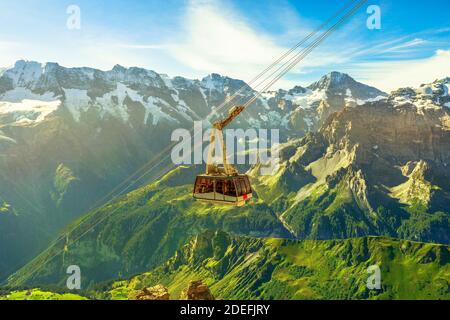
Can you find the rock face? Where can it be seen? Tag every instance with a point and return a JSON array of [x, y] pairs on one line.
[[158, 292], [381, 168], [196, 290]]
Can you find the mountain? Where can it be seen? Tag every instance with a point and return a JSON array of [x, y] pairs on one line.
[[377, 169], [255, 268], [249, 268], [309, 107], [68, 136], [141, 229]]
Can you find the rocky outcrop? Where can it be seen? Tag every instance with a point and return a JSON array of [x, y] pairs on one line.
[[158, 292], [197, 290]]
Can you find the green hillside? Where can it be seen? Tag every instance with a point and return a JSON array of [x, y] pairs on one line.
[[332, 184], [236, 267], [142, 229], [37, 294], [249, 268]]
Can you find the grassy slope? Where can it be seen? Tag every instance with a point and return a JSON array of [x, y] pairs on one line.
[[336, 201], [248, 268], [142, 229], [145, 227], [37, 294]]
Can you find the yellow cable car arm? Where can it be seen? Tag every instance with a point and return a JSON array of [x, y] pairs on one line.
[[219, 125], [232, 114]]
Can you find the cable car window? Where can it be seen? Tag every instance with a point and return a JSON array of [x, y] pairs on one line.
[[219, 195], [249, 187], [204, 186], [238, 188], [219, 186], [198, 185], [229, 188], [209, 186], [243, 186]]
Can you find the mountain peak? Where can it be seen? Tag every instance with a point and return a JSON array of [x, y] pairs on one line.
[[332, 80], [50, 66], [24, 72], [214, 77], [337, 83], [219, 82], [118, 68], [337, 76], [23, 64]]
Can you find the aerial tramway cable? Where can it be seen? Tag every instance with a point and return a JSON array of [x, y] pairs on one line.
[[156, 161], [225, 185], [227, 101], [302, 55]]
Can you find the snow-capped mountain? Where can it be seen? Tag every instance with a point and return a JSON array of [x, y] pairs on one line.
[[336, 83], [309, 107], [30, 92], [434, 95], [70, 135]]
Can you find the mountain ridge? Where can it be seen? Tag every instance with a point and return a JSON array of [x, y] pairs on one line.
[[78, 160], [253, 269], [246, 268]]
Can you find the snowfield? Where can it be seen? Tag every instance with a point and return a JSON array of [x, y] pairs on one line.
[[26, 107]]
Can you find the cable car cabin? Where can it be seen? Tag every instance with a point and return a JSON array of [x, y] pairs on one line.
[[231, 190]]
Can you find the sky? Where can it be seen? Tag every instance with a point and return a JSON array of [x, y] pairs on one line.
[[237, 38]]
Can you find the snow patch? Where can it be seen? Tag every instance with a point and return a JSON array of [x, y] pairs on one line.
[[167, 81], [269, 94], [29, 111], [377, 98], [446, 90], [120, 110], [307, 99], [348, 93], [76, 101], [27, 107], [7, 139], [19, 94]]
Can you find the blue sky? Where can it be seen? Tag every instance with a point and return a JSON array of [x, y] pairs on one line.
[[236, 38]]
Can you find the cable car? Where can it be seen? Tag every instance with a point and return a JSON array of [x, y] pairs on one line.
[[233, 190], [222, 185]]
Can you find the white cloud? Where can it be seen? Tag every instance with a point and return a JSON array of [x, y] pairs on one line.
[[405, 45], [391, 75], [219, 40]]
